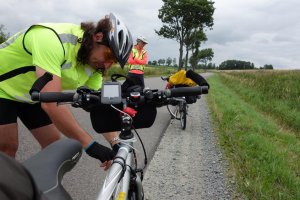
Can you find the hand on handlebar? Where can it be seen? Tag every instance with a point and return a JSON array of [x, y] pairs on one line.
[[106, 165], [100, 152]]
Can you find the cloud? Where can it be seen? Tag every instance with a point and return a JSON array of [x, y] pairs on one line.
[[259, 31]]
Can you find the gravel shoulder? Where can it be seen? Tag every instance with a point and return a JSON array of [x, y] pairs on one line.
[[188, 164]]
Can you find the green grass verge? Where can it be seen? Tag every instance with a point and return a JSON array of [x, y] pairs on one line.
[[264, 156], [274, 92]]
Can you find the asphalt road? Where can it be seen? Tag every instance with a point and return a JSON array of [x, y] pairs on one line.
[[85, 180]]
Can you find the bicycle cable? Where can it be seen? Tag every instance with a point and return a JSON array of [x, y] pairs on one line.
[[120, 111], [143, 147]]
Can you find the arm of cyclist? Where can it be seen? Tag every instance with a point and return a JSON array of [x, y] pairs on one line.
[[142, 61], [136, 61], [64, 120], [131, 59]]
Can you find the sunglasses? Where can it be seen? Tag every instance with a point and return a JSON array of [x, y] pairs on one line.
[[108, 53]]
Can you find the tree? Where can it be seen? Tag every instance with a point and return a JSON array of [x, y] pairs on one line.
[[174, 61], [3, 36], [193, 42], [159, 61], [154, 62], [163, 61], [180, 17], [267, 66], [203, 56], [169, 61]]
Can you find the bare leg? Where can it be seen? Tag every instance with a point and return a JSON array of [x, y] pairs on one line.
[[9, 139], [46, 135]]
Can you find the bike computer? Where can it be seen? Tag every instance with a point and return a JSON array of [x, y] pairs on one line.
[[111, 93]]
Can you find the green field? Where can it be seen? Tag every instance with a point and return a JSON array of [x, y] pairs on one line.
[[149, 70], [257, 119]]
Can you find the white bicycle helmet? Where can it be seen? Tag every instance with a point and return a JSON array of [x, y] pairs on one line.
[[143, 39], [120, 40]]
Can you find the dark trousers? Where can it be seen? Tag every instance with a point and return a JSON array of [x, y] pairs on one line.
[[138, 78]]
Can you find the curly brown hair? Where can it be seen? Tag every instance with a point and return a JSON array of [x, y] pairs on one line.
[[87, 44]]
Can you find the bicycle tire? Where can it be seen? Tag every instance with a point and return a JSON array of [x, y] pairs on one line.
[[183, 112], [174, 112], [133, 193]]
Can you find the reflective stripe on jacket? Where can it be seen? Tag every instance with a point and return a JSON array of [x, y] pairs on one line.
[[136, 65], [15, 55]]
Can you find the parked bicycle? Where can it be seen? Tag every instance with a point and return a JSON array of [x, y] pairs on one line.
[[178, 108], [124, 178]]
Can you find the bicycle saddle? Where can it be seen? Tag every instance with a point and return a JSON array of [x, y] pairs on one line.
[[49, 166]]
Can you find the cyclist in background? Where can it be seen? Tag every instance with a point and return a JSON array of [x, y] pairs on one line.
[[137, 60], [76, 55]]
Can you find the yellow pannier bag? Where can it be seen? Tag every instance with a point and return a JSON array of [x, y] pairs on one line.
[[179, 78]]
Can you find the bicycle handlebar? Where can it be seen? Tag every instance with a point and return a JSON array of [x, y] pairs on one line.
[[86, 97], [186, 91], [53, 96]]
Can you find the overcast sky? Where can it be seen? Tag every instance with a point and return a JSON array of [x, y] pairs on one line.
[[259, 31]]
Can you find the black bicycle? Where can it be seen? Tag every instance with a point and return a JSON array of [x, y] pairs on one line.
[[178, 107]]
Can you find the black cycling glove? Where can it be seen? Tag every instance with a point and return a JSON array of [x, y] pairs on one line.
[[116, 147], [100, 152]]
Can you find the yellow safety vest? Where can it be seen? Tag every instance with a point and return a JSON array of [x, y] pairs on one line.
[[15, 57], [135, 53]]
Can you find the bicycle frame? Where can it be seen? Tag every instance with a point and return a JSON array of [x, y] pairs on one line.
[[117, 181], [121, 173]]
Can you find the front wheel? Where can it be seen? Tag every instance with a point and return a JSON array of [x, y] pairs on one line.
[[183, 111], [136, 192], [174, 111]]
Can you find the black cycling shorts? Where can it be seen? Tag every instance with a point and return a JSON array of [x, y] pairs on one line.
[[32, 115]]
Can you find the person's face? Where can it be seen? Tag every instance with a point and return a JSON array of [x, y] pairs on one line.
[[141, 44], [101, 56]]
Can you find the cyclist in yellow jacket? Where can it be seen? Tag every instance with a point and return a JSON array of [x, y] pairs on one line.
[[137, 61], [75, 56]]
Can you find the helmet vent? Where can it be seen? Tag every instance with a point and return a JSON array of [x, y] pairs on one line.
[[121, 39]]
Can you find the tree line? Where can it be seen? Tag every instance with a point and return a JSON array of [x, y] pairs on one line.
[[168, 62], [225, 65], [240, 65]]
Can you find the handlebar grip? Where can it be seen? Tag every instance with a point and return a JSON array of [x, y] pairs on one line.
[[53, 97], [197, 78], [186, 91]]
